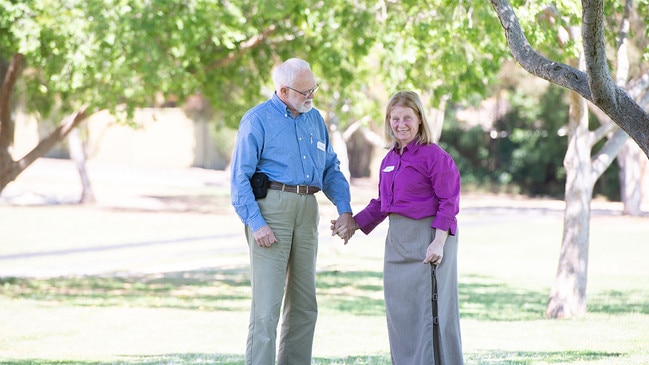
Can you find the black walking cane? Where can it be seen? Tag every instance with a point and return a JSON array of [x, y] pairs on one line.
[[436, 335]]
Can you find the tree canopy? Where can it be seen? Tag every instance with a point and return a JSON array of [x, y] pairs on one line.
[[122, 54], [65, 56], [112, 53]]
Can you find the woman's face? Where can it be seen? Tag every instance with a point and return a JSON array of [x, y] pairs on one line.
[[404, 123]]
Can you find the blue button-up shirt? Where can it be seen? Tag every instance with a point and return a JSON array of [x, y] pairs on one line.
[[293, 151]]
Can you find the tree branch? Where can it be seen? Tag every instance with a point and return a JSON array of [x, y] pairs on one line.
[[622, 69], [59, 134], [638, 89], [614, 101], [607, 126], [596, 84], [243, 48], [534, 63], [606, 155]]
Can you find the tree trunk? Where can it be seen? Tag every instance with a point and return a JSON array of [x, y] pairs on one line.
[[568, 294], [628, 158], [10, 169], [631, 178], [340, 147], [436, 118], [362, 143], [10, 74], [78, 155]]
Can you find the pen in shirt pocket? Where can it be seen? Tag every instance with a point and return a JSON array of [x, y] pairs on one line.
[[311, 137]]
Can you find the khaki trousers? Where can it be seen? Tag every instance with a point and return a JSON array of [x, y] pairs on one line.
[[286, 270]]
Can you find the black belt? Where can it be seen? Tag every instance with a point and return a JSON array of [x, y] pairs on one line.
[[299, 189]]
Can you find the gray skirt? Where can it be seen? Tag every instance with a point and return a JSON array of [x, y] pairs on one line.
[[408, 295]]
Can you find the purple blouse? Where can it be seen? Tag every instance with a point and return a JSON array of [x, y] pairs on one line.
[[422, 182]]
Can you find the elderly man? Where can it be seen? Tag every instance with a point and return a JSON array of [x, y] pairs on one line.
[[282, 158]]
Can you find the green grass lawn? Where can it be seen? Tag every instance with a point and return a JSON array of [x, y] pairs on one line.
[[506, 264]]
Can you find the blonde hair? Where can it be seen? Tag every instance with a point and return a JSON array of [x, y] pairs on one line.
[[407, 99]]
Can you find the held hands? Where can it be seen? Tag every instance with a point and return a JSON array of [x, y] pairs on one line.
[[345, 226]]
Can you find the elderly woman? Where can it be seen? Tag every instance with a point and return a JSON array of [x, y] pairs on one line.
[[419, 191]]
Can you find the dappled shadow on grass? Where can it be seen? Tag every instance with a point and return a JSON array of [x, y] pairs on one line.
[[211, 289], [619, 302], [352, 292], [349, 292], [358, 292], [497, 357], [353, 360], [484, 298], [178, 359], [164, 359]]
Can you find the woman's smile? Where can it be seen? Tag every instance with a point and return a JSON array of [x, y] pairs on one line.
[[404, 123]]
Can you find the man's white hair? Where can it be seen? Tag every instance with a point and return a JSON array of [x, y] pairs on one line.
[[285, 73]]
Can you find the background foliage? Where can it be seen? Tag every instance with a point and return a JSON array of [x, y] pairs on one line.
[[123, 54]]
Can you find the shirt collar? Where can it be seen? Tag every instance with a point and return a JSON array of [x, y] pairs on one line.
[[412, 146], [279, 104]]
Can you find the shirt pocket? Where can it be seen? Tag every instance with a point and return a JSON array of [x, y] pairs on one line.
[[319, 155]]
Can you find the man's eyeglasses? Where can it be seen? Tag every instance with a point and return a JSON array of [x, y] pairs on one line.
[[306, 93]]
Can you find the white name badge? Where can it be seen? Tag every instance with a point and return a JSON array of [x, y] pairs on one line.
[[388, 169], [321, 146]]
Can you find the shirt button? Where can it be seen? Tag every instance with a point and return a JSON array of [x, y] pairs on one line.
[[304, 157]]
